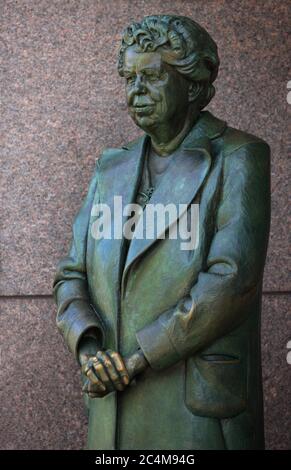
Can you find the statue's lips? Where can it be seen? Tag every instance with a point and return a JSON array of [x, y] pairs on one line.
[[143, 108]]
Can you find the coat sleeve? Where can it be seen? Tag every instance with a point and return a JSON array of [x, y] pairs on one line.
[[75, 314], [216, 303]]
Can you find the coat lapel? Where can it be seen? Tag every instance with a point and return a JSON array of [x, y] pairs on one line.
[[120, 171], [179, 185]]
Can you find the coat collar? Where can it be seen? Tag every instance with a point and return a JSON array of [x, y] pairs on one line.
[[121, 174]]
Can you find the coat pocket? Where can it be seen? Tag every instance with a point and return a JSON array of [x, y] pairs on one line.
[[216, 385]]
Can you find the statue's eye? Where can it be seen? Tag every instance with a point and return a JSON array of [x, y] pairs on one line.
[[152, 76], [130, 79]]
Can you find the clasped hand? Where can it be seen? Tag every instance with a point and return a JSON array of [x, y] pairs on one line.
[[105, 372]]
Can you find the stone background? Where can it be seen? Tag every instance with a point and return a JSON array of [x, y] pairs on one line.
[[62, 102]]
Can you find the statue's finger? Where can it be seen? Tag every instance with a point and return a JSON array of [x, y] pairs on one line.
[[119, 366], [95, 392], [94, 395], [87, 365], [109, 369], [102, 372], [85, 386], [95, 379]]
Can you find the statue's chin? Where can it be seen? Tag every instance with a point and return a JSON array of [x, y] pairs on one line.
[[145, 122]]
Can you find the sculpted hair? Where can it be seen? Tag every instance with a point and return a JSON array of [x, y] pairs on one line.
[[182, 43]]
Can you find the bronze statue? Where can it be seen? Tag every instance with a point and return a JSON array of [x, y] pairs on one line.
[[168, 339]]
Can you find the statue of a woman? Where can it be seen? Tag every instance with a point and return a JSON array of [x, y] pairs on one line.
[[169, 338]]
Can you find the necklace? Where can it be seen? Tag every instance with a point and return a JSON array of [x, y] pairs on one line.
[[146, 194], [146, 190]]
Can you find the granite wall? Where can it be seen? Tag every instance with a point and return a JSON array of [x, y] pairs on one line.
[[62, 102]]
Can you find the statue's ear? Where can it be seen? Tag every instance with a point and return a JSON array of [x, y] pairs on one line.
[[195, 89]]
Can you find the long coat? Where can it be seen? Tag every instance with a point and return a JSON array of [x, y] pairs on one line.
[[194, 313]]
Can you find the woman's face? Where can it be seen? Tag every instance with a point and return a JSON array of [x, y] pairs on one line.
[[155, 91]]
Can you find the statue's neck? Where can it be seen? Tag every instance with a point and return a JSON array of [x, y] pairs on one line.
[[164, 142]]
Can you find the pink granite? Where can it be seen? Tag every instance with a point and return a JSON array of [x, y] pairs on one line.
[[40, 391], [276, 333]]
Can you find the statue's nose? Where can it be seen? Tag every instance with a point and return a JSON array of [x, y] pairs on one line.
[[139, 84]]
